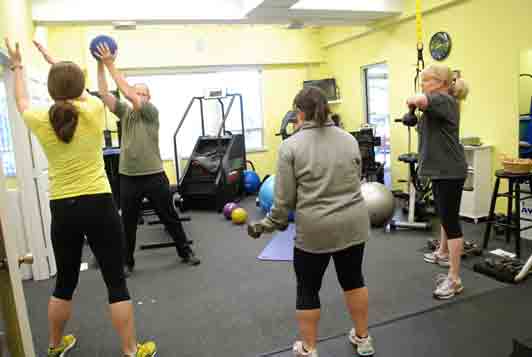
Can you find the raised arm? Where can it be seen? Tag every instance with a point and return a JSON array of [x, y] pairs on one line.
[[15, 64], [46, 55], [103, 89], [108, 59]]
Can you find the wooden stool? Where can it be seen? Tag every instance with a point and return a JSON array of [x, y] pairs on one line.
[[512, 224]]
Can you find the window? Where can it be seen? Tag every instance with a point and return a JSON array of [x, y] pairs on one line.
[[6, 142], [171, 94]]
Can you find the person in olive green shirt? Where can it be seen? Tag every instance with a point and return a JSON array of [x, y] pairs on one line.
[[141, 168]]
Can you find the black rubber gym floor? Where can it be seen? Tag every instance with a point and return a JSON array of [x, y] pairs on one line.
[[235, 305]]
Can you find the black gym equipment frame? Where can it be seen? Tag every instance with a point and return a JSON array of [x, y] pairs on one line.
[[213, 175], [372, 170]]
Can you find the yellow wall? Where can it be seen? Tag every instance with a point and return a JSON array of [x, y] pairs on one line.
[[69, 44], [174, 46], [487, 55], [525, 83], [16, 23], [287, 57], [3, 21]]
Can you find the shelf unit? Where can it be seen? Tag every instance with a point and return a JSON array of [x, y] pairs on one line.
[[477, 188]]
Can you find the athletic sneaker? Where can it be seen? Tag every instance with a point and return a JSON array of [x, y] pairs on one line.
[[147, 349], [440, 278], [191, 258], [67, 343], [299, 350], [364, 346], [448, 288], [435, 258]]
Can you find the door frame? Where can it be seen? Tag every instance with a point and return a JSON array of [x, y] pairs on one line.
[[34, 225], [363, 77], [365, 103], [12, 301]]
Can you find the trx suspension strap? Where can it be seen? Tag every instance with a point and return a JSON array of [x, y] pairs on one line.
[[420, 64]]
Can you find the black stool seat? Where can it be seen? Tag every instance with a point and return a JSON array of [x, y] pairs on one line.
[[410, 158], [509, 175], [512, 223]]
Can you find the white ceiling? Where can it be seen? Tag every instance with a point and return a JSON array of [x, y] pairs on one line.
[[307, 12]]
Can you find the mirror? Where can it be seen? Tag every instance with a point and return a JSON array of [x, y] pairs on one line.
[[525, 104]]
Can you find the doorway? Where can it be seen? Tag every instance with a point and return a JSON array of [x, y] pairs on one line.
[[377, 108]]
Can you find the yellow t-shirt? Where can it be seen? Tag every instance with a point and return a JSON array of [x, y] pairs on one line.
[[75, 168]]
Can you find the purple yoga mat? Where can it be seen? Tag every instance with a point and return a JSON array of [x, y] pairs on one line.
[[281, 246]]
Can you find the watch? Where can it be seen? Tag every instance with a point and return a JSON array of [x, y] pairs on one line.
[[440, 46]]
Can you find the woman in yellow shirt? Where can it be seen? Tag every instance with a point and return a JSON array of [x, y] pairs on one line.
[[70, 133]]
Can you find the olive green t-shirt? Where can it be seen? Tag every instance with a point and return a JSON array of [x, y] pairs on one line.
[[139, 152]]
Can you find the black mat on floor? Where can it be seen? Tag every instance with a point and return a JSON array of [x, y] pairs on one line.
[[480, 327], [234, 304]]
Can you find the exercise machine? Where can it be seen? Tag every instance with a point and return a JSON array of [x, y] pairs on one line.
[[213, 174], [419, 190], [289, 118], [372, 170]]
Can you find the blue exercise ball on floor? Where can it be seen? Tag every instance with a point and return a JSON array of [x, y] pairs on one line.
[[102, 39], [251, 181], [266, 194]]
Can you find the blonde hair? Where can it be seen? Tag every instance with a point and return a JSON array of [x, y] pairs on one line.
[[458, 88]]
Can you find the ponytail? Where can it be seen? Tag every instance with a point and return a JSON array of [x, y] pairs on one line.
[[459, 89], [64, 120]]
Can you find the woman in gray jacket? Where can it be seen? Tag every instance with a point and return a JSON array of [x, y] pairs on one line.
[[318, 177]]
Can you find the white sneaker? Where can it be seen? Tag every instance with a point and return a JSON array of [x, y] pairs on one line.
[[435, 258], [299, 350], [364, 346], [448, 288]]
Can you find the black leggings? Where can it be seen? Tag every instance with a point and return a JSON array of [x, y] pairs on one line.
[[96, 218], [310, 267], [156, 189], [447, 198]]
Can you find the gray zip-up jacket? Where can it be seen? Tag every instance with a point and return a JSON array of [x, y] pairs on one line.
[[318, 176]]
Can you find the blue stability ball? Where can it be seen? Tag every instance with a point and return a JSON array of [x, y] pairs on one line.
[[266, 194], [101, 40], [251, 181]]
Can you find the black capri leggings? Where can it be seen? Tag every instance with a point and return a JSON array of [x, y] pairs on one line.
[[96, 218], [310, 267], [447, 197]]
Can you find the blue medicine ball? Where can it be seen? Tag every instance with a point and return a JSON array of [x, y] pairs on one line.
[[102, 39], [251, 181], [266, 194]]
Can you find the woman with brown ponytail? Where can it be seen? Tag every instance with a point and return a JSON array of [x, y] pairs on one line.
[[70, 133], [318, 177]]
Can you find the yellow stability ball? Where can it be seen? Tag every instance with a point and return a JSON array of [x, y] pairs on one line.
[[239, 216]]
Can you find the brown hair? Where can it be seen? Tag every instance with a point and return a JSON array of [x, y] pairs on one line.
[[313, 102], [65, 81]]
